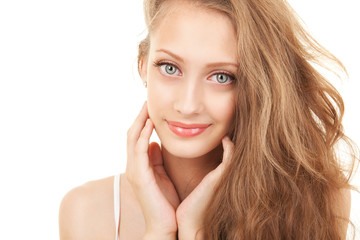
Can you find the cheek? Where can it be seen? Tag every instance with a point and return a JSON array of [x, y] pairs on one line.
[[154, 103], [158, 98], [221, 107]]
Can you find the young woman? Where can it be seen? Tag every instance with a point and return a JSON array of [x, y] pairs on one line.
[[247, 126]]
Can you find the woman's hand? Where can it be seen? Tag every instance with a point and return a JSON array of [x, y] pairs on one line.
[[152, 186], [192, 209]]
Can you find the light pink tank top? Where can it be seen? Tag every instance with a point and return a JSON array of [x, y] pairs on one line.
[[117, 204]]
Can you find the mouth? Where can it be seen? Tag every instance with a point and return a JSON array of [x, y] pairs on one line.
[[187, 130]]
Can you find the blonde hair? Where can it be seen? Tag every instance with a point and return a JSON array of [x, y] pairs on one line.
[[285, 171]]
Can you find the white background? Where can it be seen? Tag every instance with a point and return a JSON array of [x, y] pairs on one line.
[[69, 90]]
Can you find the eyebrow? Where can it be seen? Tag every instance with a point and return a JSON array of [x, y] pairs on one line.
[[215, 64]]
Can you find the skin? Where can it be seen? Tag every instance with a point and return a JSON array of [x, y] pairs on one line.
[[165, 190], [174, 184], [192, 94]]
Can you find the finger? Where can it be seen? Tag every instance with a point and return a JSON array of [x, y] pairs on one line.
[[138, 160], [137, 149], [155, 154], [133, 135], [142, 145], [136, 128], [228, 147]]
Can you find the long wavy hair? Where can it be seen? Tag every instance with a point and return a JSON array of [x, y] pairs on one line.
[[285, 169]]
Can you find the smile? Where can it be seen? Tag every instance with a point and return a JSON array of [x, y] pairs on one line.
[[187, 130]]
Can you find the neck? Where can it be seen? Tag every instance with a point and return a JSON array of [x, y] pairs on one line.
[[187, 173]]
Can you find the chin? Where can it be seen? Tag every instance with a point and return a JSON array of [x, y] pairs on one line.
[[183, 152]]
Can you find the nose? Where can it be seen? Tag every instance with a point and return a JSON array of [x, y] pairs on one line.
[[189, 97]]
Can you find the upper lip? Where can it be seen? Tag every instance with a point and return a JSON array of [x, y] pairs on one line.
[[188, 125]]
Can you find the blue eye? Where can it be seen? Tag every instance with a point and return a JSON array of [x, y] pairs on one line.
[[168, 69], [222, 78]]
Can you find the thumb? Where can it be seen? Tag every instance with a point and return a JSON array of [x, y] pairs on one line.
[[228, 147], [155, 154]]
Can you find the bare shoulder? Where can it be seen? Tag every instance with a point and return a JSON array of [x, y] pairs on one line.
[[86, 212], [342, 207]]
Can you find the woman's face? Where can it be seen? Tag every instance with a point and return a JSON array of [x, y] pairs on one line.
[[190, 79]]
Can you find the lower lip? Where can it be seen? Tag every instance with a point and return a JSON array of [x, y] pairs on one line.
[[186, 132]]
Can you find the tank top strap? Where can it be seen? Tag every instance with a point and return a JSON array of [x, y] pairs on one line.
[[117, 205]]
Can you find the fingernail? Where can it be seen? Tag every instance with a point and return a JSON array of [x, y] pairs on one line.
[[147, 122]]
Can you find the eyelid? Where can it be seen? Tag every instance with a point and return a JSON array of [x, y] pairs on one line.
[[161, 63], [229, 74], [166, 62]]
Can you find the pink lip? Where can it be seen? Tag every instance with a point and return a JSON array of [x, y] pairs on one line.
[[187, 130]]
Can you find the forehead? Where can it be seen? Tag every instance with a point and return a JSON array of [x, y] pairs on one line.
[[194, 30]]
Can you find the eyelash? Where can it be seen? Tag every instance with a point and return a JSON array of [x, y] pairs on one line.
[[163, 63], [231, 76]]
